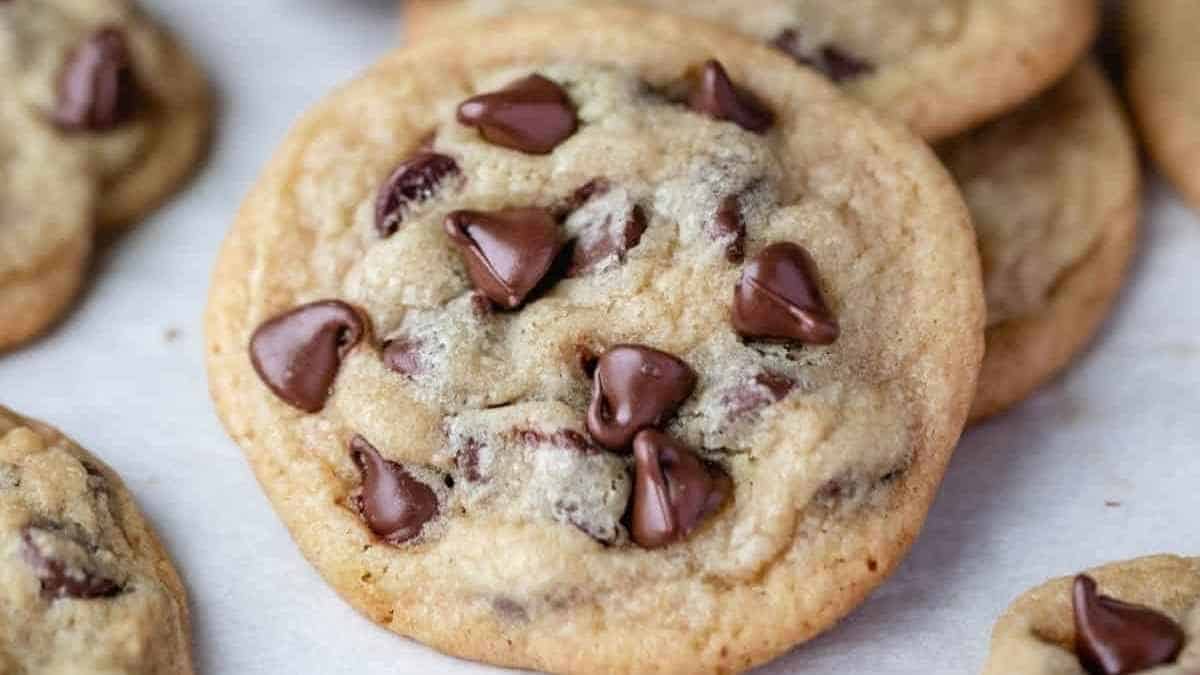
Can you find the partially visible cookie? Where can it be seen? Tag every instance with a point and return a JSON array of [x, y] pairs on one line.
[[1162, 58], [46, 224], [612, 344], [1054, 192], [119, 92], [103, 116], [942, 66], [85, 586], [1139, 616]]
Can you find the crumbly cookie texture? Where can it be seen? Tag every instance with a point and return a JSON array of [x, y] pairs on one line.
[[103, 111], [1054, 192], [1161, 59], [122, 95], [86, 586], [1140, 616], [664, 379], [942, 66]]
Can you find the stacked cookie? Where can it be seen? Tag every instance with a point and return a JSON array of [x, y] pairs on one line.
[[637, 339], [104, 115]]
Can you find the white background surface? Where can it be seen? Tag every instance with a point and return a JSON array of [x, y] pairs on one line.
[[1102, 465]]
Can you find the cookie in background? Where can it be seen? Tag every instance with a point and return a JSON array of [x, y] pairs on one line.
[[85, 585], [1162, 59], [104, 116], [1054, 192], [1138, 616], [942, 66]]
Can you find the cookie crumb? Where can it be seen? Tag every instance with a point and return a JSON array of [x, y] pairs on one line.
[[1112, 504], [172, 334]]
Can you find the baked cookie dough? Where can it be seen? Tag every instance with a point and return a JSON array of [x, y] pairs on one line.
[[103, 116], [1162, 59], [1140, 616], [85, 585], [610, 344], [942, 66], [1054, 190]]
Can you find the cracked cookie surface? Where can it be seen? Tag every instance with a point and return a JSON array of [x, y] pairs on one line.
[[1137, 616], [1054, 192], [86, 585], [671, 373], [942, 66]]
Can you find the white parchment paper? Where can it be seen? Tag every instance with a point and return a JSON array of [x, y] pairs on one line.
[[1102, 465]]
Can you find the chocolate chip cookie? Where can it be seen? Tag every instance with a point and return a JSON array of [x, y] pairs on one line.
[[86, 586], [942, 66], [612, 343], [1054, 190], [1162, 60], [103, 116], [1140, 616]]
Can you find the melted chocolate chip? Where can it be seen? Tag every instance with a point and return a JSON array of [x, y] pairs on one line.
[[600, 241], [1117, 638], [97, 89], [402, 355], [764, 390], [58, 579], [715, 95], [298, 354], [507, 253], [834, 62], [395, 505], [778, 299], [674, 490], [635, 388], [532, 115], [414, 181], [728, 224]]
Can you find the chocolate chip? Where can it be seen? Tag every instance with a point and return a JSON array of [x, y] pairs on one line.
[[298, 354], [507, 253], [835, 63], [764, 390], [674, 490], [778, 299], [402, 355], [414, 181], [728, 224], [532, 115], [841, 66], [714, 94], [600, 241], [395, 505], [97, 89], [1117, 638], [466, 460], [593, 188], [635, 388], [58, 579]]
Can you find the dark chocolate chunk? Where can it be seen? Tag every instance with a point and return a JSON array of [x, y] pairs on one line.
[[778, 298], [507, 253], [97, 88], [715, 95], [728, 224], [600, 241], [764, 390], [413, 182], [395, 505], [58, 579], [635, 388], [835, 63], [402, 355], [1117, 638], [532, 115], [674, 490]]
